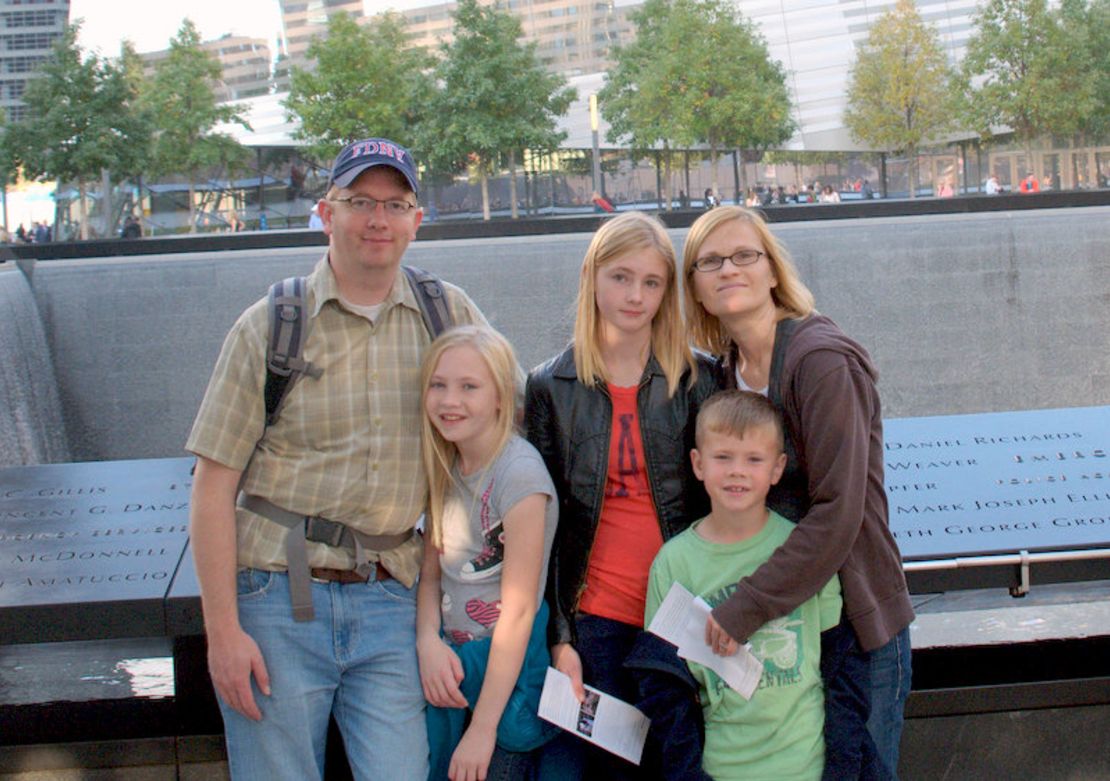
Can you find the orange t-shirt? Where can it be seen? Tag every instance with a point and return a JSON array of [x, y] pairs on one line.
[[628, 534]]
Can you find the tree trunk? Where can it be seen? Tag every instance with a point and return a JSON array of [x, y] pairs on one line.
[[192, 207], [512, 183], [666, 179], [106, 203], [142, 213], [713, 168], [911, 170], [83, 211], [738, 200], [485, 190]]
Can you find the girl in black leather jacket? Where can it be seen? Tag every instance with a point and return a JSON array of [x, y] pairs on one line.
[[612, 416]]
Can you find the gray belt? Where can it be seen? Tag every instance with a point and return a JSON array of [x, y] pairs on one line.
[[322, 530]]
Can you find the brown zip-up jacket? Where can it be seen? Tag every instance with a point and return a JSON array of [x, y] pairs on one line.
[[823, 382]]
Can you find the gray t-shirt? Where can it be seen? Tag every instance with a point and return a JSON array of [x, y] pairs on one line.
[[473, 541]]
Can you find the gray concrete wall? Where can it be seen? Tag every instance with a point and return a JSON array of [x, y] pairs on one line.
[[963, 313]]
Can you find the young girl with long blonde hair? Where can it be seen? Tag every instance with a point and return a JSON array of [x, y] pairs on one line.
[[491, 519], [612, 416]]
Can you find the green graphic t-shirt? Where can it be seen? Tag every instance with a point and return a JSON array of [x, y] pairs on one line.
[[778, 734]]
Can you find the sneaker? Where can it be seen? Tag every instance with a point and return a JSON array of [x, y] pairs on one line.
[[488, 562]]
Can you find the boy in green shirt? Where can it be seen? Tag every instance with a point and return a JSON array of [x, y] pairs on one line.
[[778, 733]]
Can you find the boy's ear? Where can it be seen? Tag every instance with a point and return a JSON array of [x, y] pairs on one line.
[[695, 461], [780, 467]]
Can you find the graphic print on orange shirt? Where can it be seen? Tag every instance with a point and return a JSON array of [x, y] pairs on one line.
[[629, 479]]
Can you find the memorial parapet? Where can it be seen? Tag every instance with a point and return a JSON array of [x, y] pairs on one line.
[[1000, 499], [90, 550], [100, 549]]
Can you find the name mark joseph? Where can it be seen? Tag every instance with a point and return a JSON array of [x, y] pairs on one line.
[[999, 482], [92, 531]]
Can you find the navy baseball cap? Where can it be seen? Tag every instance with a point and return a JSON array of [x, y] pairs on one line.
[[359, 156]]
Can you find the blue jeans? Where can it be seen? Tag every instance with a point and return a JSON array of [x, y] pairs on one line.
[[603, 645], [891, 677], [356, 660], [865, 695]]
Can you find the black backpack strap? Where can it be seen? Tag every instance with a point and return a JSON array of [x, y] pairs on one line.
[[289, 323], [784, 330], [432, 299]]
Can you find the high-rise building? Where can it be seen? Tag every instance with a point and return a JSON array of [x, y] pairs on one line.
[[301, 20], [572, 37], [245, 62], [28, 31]]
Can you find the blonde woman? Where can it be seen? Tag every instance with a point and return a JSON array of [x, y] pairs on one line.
[[746, 304], [481, 622], [612, 415]]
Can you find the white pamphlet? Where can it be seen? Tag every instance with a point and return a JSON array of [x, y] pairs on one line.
[[680, 621], [602, 719]]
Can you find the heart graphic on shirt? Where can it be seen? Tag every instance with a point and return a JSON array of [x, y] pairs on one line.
[[458, 637], [484, 613]]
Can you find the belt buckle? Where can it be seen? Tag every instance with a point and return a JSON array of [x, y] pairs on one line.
[[349, 579]]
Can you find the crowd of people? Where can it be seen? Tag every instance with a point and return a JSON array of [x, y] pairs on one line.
[[777, 195], [39, 233], [388, 531]]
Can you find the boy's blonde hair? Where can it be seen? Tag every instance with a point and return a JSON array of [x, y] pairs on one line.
[[734, 413], [669, 343], [789, 294], [438, 454]]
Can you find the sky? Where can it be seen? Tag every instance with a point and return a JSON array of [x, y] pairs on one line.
[[151, 24]]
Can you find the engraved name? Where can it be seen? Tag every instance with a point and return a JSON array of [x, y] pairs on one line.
[[895, 466], [87, 555]]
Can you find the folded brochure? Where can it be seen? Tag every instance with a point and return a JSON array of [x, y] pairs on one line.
[[601, 719], [680, 621]]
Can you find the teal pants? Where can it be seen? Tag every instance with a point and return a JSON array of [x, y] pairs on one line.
[[520, 728]]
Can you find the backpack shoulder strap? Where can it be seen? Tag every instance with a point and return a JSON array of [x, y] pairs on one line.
[[783, 332], [432, 299], [289, 324]]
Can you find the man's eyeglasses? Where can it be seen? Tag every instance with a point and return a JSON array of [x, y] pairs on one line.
[[363, 205], [740, 258]]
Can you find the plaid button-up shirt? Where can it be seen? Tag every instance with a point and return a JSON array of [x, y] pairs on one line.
[[346, 446]]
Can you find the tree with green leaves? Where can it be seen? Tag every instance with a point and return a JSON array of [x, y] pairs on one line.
[[131, 71], [183, 105], [1099, 43], [1085, 25], [638, 100], [494, 97], [736, 94], [1023, 72], [899, 92], [9, 164], [725, 92], [365, 83], [82, 121]]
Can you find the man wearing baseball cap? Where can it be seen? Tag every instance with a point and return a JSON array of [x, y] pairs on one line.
[[344, 451]]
